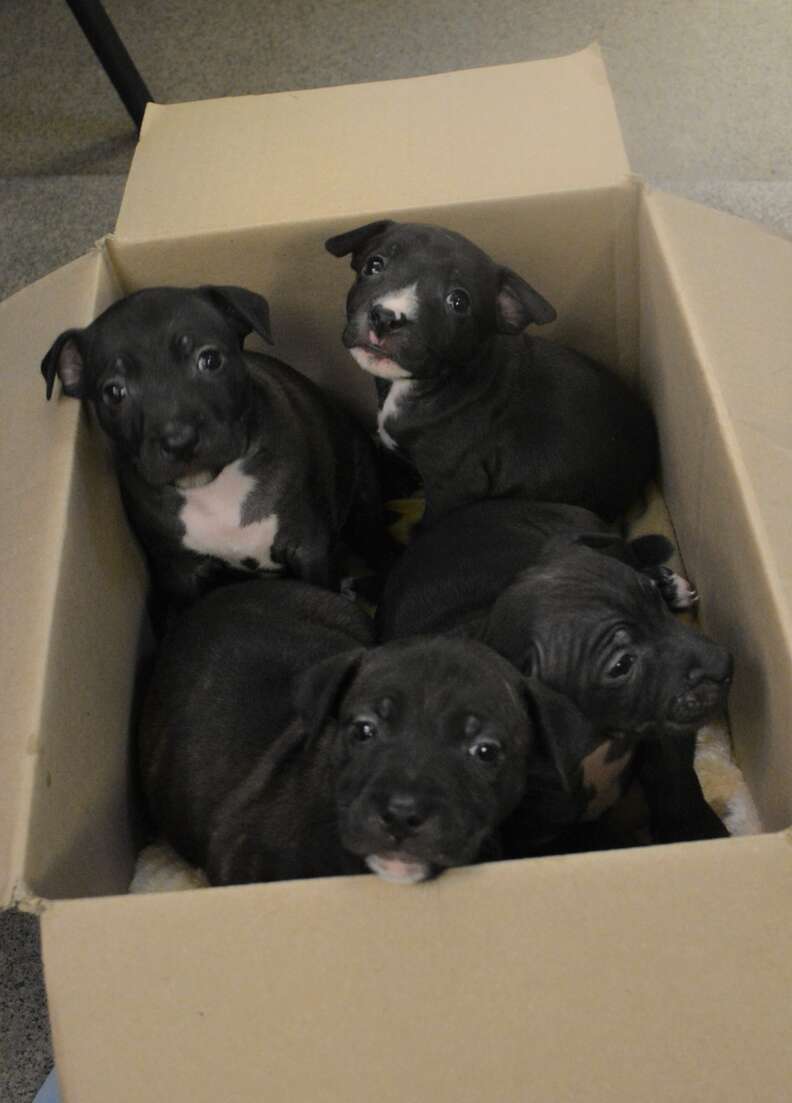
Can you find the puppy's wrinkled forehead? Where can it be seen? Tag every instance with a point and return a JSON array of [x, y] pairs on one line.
[[434, 677], [584, 589], [425, 250], [145, 322]]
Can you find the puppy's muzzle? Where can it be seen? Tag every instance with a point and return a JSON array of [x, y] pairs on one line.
[[179, 440], [708, 687], [383, 321], [402, 815]]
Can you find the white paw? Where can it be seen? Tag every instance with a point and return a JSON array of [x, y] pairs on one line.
[[679, 594]]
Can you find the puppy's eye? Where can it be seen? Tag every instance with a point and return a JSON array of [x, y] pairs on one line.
[[622, 666], [458, 300], [362, 731], [114, 393], [209, 360], [487, 751], [373, 265]]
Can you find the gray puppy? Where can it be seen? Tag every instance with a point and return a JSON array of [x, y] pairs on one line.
[[481, 409], [230, 462], [572, 604], [401, 759]]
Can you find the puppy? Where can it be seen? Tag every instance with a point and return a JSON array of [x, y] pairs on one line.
[[482, 410], [401, 759], [229, 461], [567, 602]]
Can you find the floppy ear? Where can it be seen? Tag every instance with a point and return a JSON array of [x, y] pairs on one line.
[[507, 632], [354, 241], [317, 693], [608, 543], [650, 550], [564, 732], [245, 310], [517, 304], [65, 359]]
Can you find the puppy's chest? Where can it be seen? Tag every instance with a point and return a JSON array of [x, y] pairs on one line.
[[392, 407], [212, 517], [604, 775]]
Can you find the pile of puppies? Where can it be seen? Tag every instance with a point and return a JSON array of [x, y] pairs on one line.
[[524, 687]]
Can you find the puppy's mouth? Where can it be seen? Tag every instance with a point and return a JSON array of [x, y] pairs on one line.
[[685, 713], [698, 704], [400, 868], [377, 362], [195, 479]]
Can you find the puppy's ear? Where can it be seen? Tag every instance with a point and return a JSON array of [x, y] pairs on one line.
[[246, 311], [517, 304], [317, 693], [355, 241], [564, 732], [507, 630], [607, 543], [65, 359], [650, 550]]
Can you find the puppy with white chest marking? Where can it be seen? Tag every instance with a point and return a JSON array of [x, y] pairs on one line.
[[481, 409], [277, 743], [230, 462], [572, 604]]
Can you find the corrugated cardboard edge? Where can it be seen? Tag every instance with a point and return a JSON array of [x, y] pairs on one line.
[[29, 322], [271, 150]]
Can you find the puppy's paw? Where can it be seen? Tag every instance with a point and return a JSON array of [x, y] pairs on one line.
[[677, 592]]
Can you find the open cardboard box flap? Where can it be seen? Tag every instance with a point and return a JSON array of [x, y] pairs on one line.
[[656, 972], [340, 153]]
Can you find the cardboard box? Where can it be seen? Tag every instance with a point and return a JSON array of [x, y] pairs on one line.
[[661, 973]]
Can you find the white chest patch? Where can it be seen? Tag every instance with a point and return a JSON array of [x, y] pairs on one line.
[[603, 778], [212, 514], [403, 302], [390, 408]]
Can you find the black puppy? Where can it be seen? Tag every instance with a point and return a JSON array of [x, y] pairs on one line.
[[482, 410], [402, 759], [571, 604], [228, 460]]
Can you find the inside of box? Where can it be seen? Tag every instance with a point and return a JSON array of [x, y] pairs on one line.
[[581, 250]]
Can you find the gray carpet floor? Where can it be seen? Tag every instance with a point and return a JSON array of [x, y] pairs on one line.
[[703, 89]]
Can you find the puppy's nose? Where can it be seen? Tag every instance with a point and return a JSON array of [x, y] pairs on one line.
[[404, 813], [714, 665], [178, 440], [383, 320]]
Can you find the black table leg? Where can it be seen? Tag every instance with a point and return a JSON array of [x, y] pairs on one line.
[[116, 62]]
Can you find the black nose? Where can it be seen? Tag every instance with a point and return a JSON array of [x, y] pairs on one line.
[[383, 320], [178, 440], [403, 813], [713, 665]]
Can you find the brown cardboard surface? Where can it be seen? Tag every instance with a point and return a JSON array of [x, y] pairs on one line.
[[578, 248], [715, 312], [659, 975], [35, 489], [510, 130]]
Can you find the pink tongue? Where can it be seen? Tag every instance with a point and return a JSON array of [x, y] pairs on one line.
[[394, 867]]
